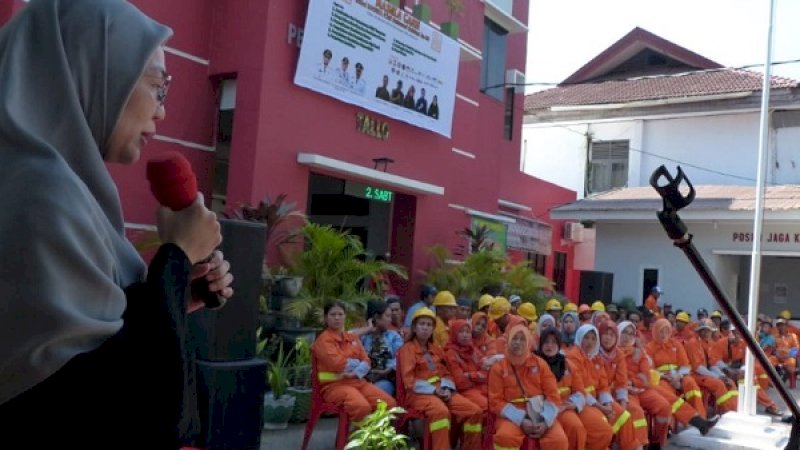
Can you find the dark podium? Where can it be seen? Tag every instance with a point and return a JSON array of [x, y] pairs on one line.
[[230, 378]]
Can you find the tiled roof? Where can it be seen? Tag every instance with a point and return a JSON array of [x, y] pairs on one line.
[[708, 198], [688, 84]]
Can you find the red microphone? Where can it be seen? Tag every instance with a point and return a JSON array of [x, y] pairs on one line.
[[174, 185]]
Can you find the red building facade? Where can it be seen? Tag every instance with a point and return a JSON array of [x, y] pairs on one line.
[[235, 112]]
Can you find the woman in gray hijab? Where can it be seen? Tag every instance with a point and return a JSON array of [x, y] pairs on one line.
[[93, 345]]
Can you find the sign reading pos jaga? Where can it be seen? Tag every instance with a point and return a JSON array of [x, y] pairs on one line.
[[372, 54]]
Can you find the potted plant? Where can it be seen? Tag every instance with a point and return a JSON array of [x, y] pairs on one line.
[[450, 28], [377, 431], [278, 405], [335, 266], [300, 380]]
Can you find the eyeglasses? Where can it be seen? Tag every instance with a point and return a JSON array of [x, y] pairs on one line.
[[163, 88]]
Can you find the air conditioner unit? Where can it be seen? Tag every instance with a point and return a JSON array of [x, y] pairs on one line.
[[515, 79], [573, 231]]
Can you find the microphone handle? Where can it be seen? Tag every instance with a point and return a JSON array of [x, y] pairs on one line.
[[210, 299], [201, 291]]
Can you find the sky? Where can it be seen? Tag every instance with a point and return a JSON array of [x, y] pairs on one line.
[[566, 34]]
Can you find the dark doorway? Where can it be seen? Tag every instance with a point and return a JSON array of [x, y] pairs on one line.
[[650, 280]]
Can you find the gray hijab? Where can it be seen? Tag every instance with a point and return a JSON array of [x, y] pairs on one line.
[[67, 69]]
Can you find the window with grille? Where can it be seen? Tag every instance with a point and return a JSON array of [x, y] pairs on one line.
[[608, 165]]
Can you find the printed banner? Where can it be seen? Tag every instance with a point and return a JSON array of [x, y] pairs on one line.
[[498, 232], [530, 236], [372, 54]]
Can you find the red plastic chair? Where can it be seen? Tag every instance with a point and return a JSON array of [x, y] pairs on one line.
[[320, 407], [402, 421], [488, 436]]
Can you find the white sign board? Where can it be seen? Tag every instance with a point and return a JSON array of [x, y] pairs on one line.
[[372, 54]]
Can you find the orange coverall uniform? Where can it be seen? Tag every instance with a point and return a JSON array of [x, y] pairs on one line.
[[467, 372], [657, 400], [670, 358], [507, 401], [703, 358], [784, 343], [586, 427], [732, 355], [422, 371], [617, 375], [684, 335], [597, 391], [652, 304], [333, 353]]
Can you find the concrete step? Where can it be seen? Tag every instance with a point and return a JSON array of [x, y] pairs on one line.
[[737, 432]]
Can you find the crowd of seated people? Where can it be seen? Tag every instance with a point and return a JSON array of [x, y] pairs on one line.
[[576, 377]]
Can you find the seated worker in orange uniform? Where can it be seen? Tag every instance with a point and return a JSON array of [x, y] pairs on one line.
[[613, 362], [465, 365], [430, 389], [446, 308], [523, 394], [732, 352], [585, 426], [786, 348], [658, 401], [499, 313], [670, 360], [569, 326], [342, 363], [596, 386], [703, 358], [483, 343], [683, 329]]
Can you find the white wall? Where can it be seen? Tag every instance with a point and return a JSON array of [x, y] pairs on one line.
[[558, 153], [555, 154], [626, 249], [787, 145], [726, 144]]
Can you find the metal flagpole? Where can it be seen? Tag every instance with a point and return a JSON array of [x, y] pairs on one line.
[[755, 262]]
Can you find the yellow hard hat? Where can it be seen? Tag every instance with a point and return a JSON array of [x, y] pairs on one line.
[[485, 300], [785, 314], [599, 306], [423, 312], [528, 311], [570, 307], [682, 317], [500, 307], [444, 298], [716, 313], [553, 305]]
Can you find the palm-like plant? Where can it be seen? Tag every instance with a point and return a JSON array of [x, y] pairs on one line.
[[479, 240], [334, 266], [485, 268]]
